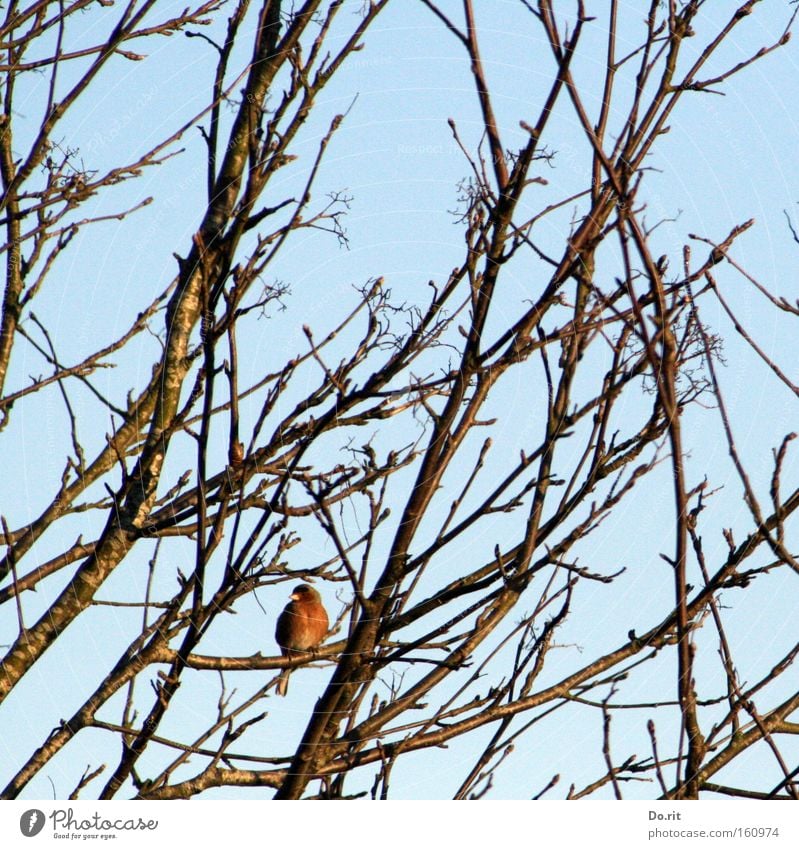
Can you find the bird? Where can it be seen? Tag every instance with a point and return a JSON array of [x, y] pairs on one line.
[[301, 627]]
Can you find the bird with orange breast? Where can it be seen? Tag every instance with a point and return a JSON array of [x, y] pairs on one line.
[[300, 628]]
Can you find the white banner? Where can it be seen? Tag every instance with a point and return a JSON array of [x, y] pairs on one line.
[[400, 825]]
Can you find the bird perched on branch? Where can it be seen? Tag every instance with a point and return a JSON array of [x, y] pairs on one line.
[[300, 628]]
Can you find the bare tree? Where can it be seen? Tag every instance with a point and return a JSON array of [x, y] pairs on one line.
[[462, 565]]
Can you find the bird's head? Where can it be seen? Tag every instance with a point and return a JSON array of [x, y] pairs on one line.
[[304, 592]]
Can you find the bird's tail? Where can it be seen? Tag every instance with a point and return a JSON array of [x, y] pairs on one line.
[[283, 682]]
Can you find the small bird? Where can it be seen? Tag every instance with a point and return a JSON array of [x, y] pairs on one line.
[[300, 627]]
